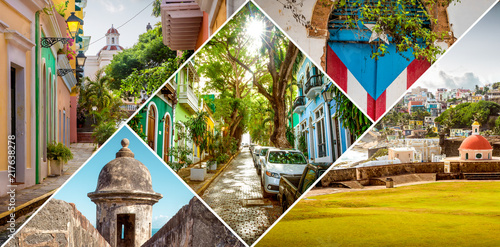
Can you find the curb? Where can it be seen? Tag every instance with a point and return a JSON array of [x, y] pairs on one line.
[[25, 207], [205, 186]]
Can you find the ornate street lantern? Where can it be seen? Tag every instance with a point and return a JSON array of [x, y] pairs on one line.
[[74, 24]]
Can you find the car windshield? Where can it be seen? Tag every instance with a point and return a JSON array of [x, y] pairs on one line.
[[284, 157], [263, 151]]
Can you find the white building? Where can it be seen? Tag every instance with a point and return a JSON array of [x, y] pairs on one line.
[[105, 55]]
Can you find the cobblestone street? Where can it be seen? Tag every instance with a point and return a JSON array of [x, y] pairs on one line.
[[229, 193]]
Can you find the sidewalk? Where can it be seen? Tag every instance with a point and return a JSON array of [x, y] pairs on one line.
[[81, 152], [236, 196]]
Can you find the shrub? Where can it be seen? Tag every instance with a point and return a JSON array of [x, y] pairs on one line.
[[58, 151]]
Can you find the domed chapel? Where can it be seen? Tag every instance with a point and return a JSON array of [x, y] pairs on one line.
[[475, 147], [124, 198]]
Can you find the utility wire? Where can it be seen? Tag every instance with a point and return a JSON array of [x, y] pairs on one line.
[[121, 24]]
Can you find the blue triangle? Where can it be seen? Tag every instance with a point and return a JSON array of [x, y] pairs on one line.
[[374, 75]]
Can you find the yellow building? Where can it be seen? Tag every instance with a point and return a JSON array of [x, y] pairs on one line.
[[17, 91], [34, 99]]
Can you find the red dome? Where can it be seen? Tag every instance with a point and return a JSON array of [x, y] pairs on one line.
[[112, 30], [475, 142]]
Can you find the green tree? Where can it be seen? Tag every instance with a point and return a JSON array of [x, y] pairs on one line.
[[148, 52], [197, 129], [420, 114], [277, 57], [462, 115], [409, 32]]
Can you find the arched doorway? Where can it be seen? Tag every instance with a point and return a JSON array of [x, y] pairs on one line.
[[166, 139], [152, 116]]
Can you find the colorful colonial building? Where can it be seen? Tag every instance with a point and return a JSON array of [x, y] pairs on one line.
[[326, 139], [35, 94]]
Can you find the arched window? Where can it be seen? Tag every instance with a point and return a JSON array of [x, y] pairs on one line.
[[466, 156], [152, 115], [112, 40]]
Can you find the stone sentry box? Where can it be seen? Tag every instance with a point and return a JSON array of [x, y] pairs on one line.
[[124, 198]]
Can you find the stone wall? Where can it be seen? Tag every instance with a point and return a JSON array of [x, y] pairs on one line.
[[365, 173], [348, 174], [193, 225], [58, 224]]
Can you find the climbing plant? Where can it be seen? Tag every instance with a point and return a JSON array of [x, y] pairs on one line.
[[350, 116], [407, 23]]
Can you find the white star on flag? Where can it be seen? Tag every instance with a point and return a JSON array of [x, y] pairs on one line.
[[376, 35]]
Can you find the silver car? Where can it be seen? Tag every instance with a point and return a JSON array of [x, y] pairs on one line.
[[279, 162], [262, 158], [255, 154]]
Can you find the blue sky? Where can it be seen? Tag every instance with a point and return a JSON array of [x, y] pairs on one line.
[[473, 60], [175, 194]]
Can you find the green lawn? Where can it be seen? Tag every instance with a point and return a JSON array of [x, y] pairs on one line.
[[435, 214]]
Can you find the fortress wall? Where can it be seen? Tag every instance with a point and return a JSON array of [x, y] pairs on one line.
[[365, 173], [348, 174], [193, 225], [58, 224]]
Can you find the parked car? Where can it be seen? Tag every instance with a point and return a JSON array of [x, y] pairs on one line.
[[292, 187], [255, 154], [262, 157], [277, 163], [251, 147]]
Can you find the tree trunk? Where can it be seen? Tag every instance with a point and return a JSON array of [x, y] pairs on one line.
[[278, 137]]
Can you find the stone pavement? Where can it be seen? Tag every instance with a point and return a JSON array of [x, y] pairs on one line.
[[226, 195], [81, 152]]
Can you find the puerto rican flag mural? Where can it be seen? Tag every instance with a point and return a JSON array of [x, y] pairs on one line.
[[372, 96], [374, 84]]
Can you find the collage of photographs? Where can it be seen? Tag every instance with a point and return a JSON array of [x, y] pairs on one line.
[[249, 123]]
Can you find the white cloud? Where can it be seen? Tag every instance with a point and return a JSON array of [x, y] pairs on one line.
[[112, 6], [160, 220], [443, 79]]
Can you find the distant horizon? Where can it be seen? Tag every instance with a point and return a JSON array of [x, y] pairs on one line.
[[472, 60]]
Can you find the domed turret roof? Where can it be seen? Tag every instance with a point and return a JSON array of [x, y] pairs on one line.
[[112, 30], [475, 142], [124, 174]]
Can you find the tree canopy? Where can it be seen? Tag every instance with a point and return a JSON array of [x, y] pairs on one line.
[[463, 115], [149, 52]]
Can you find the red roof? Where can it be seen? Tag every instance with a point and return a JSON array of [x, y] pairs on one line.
[[110, 48], [112, 30], [475, 142]]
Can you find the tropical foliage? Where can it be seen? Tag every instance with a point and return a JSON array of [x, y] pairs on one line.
[[101, 106], [59, 151], [462, 115], [349, 115], [417, 32]]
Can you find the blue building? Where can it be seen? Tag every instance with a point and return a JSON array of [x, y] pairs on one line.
[[325, 138]]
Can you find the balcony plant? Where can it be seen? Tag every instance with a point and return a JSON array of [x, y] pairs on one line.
[[58, 154]]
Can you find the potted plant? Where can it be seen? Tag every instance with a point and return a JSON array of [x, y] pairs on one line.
[[212, 165], [58, 154]]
